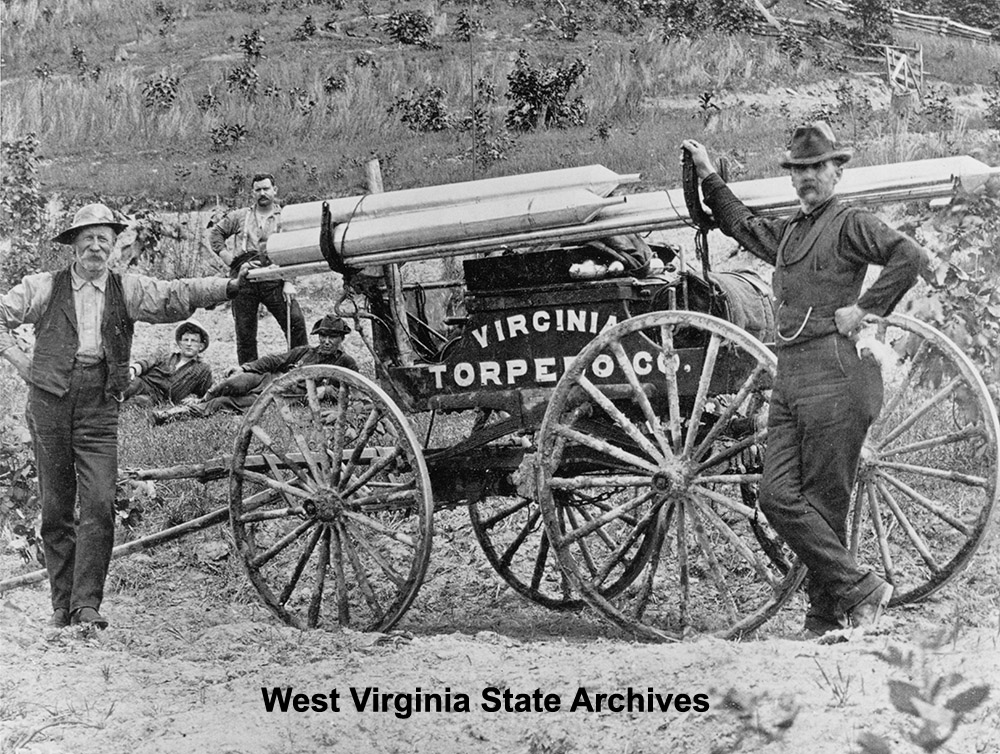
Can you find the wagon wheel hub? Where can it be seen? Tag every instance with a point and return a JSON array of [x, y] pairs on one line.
[[325, 505], [869, 456], [669, 481]]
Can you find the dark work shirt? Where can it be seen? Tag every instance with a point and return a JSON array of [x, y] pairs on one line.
[[863, 240]]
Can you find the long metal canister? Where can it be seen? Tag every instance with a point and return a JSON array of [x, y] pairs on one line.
[[498, 217], [484, 218], [595, 178], [881, 184]]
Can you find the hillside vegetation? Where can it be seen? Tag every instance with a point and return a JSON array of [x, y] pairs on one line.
[[179, 102]]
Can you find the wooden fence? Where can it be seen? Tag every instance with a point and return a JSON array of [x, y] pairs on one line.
[[903, 20]]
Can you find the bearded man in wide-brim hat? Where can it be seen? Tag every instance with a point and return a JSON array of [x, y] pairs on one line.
[[84, 317], [826, 395]]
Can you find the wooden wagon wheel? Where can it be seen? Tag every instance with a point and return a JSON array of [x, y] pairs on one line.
[[929, 476], [330, 501], [514, 539], [685, 392]]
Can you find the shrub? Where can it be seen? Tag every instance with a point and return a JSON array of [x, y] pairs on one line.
[[467, 26], [306, 30], [252, 45], [160, 92], [409, 27], [993, 100], [541, 95], [424, 110], [227, 135], [873, 21], [243, 79], [22, 208]]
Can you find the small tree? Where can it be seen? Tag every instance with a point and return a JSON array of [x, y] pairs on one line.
[[541, 95]]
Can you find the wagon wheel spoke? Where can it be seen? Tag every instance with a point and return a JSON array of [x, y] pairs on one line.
[[639, 530], [275, 451], [671, 361], [339, 431], [284, 542], [920, 412], [374, 470], [728, 452], [379, 528], [934, 473], [950, 438], [652, 420], [750, 384], [712, 561], [367, 431], [569, 522], [697, 411], [588, 528], [316, 419], [684, 578], [764, 573], [528, 527], [911, 533], [927, 504], [620, 419], [360, 572], [275, 484], [642, 597], [903, 390], [251, 506], [504, 513], [295, 431], [375, 554], [857, 510], [726, 501], [319, 581], [875, 511], [606, 448], [300, 566]]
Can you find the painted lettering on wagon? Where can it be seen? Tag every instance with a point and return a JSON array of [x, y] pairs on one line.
[[543, 321], [542, 371]]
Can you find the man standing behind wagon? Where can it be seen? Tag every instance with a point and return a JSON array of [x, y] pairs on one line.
[[84, 317], [826, 394], [250, 228]]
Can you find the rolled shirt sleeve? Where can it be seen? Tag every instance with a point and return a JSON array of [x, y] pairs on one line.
[[150, 300]]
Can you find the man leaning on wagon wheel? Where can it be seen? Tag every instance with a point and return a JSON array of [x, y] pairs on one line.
[[84, 317], [826, 395]]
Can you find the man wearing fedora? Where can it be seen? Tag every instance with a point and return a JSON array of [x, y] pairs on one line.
[[244, 383], [175, 377], [84, 316], [825, 395]]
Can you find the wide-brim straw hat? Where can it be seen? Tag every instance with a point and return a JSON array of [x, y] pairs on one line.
[[89, 215], [189, 325], [331, 325], [814, 144]]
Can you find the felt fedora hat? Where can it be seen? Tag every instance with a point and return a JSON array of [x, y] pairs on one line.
[[331, 325], [189, 325], [85, 217], [813, 144]]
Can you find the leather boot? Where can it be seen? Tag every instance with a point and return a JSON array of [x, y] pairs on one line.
[[172, 414]]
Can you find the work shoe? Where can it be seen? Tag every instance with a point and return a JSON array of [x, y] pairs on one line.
[[867, 612], [60, 618], [170, 414], [88, 616]]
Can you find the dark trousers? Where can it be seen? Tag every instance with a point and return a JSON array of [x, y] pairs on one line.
[[824, 400], [246, 305], [76, 452]]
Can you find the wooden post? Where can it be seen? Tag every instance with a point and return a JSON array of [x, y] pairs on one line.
[[393, 281]]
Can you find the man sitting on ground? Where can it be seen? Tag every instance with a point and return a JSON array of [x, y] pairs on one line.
[[244, 383], [173, 378]]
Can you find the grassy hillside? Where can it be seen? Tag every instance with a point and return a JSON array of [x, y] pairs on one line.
[[179, 102]]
